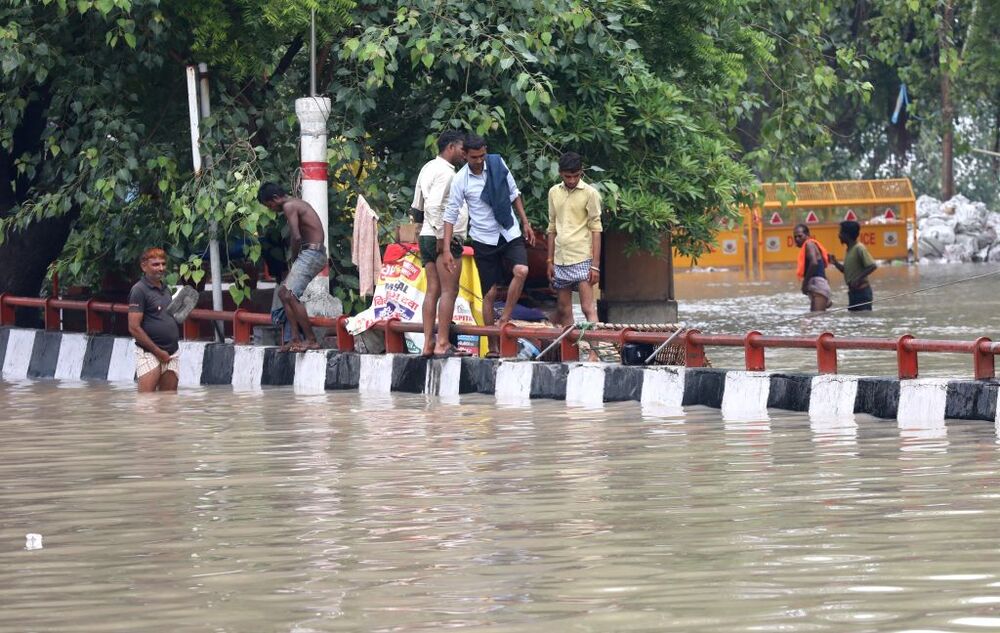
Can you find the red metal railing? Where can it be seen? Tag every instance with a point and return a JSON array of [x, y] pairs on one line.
[[826, 345]]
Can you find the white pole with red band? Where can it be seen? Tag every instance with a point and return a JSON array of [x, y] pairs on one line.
[[313, 113]]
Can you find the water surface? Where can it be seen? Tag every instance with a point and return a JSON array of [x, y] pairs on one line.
[[726, 302], [268, 511]]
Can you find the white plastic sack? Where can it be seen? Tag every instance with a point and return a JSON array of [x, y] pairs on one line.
[[970, 217], [941, 233], [927, 206], [962, 250]]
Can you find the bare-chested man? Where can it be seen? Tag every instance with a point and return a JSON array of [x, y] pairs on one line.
[[308, 252]]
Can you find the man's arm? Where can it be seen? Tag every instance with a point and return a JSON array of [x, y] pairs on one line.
[[551, 232], [863, 277], [550, 264], [837, 263], [812, 263], [594, 224], [450, 217], [518, 203], [595, 263], [140, 336], [529, 234]]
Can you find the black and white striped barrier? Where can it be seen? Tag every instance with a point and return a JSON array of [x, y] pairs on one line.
[[28, 354]]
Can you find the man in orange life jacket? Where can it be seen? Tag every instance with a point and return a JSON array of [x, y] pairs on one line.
[[813, 260]]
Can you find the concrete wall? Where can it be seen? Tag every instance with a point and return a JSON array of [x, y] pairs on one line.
[[31, 354]]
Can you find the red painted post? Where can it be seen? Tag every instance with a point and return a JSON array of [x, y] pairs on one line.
[[508, 343], [694, 353], [7, 315], [826, 355], [191, 329], [95, 322], [982, 362], [568, 351], [242, 330], [754, 355], [395, 342], [345, 342], [906, 358], [50, 315]]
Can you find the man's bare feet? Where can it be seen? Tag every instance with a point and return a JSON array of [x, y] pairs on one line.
[[311, 345], [287, 347]]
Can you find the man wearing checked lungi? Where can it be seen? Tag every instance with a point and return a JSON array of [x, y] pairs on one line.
[[574, 237], [151, 325]]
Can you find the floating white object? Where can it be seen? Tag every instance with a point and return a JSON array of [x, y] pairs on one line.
[[32, 541]]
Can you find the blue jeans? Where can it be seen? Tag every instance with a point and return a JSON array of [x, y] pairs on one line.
[[305, 267]]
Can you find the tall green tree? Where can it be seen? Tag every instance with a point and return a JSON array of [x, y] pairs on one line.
[[539, 78], [94, 149]]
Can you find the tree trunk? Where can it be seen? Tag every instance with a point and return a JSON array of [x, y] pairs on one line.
[[946, 46], [25, 255]]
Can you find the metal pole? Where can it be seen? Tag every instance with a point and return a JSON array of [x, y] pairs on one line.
[[557, 341], [215, 260], [680, 328], [192, 85], [312, 56]]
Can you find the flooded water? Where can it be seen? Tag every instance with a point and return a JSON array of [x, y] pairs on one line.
[[222, 511], [724, 302]]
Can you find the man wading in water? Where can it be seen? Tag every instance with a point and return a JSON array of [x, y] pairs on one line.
[[153, 328], [308, 250], [857, 265], [813, 260]]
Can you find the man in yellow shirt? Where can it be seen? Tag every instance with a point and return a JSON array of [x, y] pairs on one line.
[[574, 239]]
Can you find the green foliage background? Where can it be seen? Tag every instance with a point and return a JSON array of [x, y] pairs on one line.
[[680, 108]]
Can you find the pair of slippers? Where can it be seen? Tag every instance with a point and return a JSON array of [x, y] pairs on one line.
[[451, 352]]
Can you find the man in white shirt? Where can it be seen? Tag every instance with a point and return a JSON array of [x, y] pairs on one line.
[[430, 195], [486, 185]]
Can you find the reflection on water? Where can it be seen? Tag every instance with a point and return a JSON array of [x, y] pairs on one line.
[[724, 302], [218, 510]]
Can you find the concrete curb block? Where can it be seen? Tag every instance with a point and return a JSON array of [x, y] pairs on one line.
[[40, 355]]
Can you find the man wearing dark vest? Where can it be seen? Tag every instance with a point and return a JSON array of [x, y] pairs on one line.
[[486, 185]]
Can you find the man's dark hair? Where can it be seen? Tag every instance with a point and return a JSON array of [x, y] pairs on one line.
[[570, 162], [850, 229], [474, 141], [269, 191], [803, 226], [448, 137]]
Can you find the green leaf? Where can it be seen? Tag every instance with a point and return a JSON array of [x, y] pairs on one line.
[[427, 59]]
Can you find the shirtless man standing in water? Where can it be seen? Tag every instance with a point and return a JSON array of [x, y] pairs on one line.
[[308, 254]]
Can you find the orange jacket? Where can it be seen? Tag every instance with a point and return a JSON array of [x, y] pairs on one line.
[[802, 257]]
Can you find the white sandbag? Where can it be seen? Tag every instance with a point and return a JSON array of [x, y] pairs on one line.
[[927, 206], [962, 250], [993, 221], [970, 217], [939, 232]]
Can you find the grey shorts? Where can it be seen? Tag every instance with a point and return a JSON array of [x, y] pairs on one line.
[[818, 285], [305, 267], [571, 275]]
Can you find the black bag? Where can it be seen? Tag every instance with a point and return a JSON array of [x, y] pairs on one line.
[[636, 353], [417, 215]]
